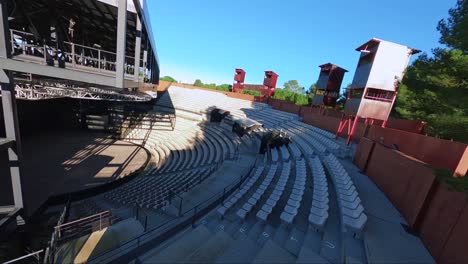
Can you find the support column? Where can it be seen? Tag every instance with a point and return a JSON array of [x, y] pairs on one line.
[[137, 49], [121, 41], [10, 115], [145, 61], [5, 45]]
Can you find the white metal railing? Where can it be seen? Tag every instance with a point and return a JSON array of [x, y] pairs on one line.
[[103, 218], [75, 55], [36, 255]]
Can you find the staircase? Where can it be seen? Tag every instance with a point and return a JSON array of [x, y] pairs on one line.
[[208, 244]]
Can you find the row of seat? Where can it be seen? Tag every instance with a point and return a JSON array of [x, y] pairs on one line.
[[315, 129], [200, 101], [295, 198], [352, 212], [155, 191], [295, 151], [255, 197], [304, 140], [318, 134], [274, 155], [275, 196], [284, 153], [319, 210], [178, 150], [245, 189]]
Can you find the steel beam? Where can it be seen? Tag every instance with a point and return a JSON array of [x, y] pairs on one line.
[[10, 116], [121, 43], [137, 48], [4, 32]]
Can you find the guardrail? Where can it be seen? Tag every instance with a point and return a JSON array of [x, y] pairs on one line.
[[36, 255], [160, 233], [89, 224], [24, 43]]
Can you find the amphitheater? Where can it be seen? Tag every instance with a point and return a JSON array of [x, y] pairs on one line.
[[301, 203], [102, 161]]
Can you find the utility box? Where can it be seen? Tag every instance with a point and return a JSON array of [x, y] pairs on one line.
[[239, 78], [328, 85], [269, 83], [378, 75]]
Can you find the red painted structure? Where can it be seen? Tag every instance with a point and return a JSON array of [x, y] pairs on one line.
[[269, 83], [375, 84], [328, 85], [266, 89], [239, 78]]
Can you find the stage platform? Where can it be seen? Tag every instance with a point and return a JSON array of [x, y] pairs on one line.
[[62, 162]]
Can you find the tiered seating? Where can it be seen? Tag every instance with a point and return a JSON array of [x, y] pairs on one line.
[[315, 137], [253, 212], [295, 198], [284, 153], [315, 129], [304, 140], [154, 191], [245, 189], [274, 155], [352, 211], [200, 101], [187, 147], [319, 209], [297, 154], [228, 145], [275, 196], [247, 207]]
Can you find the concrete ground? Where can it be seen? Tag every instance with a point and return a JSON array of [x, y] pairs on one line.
[[66, 161]]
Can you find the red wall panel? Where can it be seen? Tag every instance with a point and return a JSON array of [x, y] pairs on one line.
[[455, 250], [439, 153], [363, 153], [442, 214], [405, 180]]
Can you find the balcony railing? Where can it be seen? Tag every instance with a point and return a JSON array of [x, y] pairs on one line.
[[72, 55]]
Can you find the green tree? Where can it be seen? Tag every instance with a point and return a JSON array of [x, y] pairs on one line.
[[251, 92], [454, 29], [168, 79], [312, 88], [435, 88], [224, 87], [293, 86], [198, 83]]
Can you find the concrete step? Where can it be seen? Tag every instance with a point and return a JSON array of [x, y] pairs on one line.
[[211, 249], [272, 253], [307, 255], [181, 248], [295, 241], [241, 251]]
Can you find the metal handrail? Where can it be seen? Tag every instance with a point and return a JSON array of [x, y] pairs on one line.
[[101, 63], [25, 256], [183, 217], [82, 219]]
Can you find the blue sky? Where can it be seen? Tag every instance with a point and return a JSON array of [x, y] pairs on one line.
[[208, 39]]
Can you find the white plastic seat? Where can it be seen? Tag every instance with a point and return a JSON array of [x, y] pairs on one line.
[[247, 207], [318, 221], [262, 215], [287, 217], [294, 203], [222, 210], [252, 201], [241, 213]]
